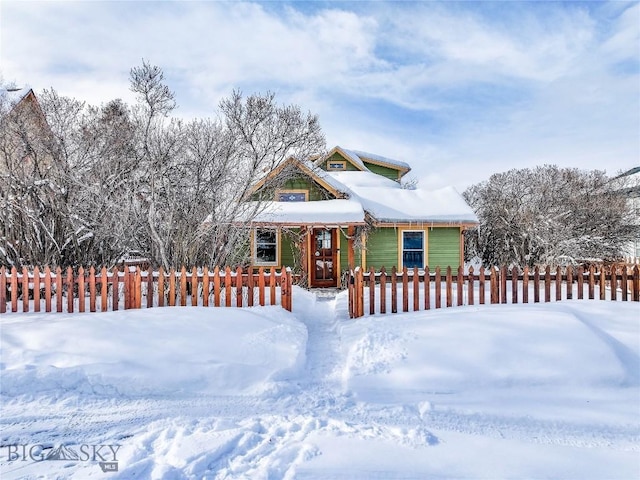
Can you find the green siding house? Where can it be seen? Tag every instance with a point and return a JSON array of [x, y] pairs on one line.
[[348, 208]]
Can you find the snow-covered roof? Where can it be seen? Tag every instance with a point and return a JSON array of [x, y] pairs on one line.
[[323, 212], [15, 95], [380, 159], [388, 202], [354, 158]]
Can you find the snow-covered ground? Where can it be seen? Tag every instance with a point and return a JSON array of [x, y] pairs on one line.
[[495, 391]]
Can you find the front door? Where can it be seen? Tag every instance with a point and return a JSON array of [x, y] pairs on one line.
[[323, 258]]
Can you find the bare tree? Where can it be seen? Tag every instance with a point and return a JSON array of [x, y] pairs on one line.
[[547, 215], [119, 179]]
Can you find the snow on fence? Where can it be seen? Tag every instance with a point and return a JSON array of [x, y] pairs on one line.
[[377, 292], [69, 291]]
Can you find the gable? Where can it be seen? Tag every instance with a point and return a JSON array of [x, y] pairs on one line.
[[337, 158], [293, 175]]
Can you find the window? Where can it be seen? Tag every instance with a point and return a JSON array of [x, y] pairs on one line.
[[292, 195], [266, 247], [413, 249], [336, 165]]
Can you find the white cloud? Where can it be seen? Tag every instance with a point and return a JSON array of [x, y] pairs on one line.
[[458, 90]]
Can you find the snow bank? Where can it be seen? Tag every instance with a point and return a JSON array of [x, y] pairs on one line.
[[151, 352], [552, 360]]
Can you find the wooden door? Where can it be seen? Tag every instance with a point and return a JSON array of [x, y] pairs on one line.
[[324, 271]]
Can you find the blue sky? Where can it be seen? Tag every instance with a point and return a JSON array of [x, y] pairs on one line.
[[458, 90]]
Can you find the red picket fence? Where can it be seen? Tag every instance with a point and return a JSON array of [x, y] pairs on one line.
[[104, 290], [427, 290]]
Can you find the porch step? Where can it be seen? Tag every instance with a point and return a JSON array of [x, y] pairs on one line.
[[325, 293]]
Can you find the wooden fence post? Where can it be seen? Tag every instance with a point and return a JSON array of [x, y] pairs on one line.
[[47, 289], [514, 284], [290, 285], [580, 282], [239, 285], [25, 289], [558, 282], [383, 290], [36, 289], [138, 288], [70, 289], [183, 286], [525, 284], [614, 282], [470, 286], [250, 286], [351, 286], [624, 284], [569, 282], [284, 289], [592, 282], [161, 287], [493, 285], [372, 291], [261, 286], [460, 285], [205, 287], [481, 281], [405, 290], [172, 287], [150, 287], [603, 279], [127, 287], [81, 299], [227, 286], [104, 288], [427, 288], [92, 289], [416, 289], [394, 290], [58, 290], [547, 284], [448, 287], [116, 289], [503, 284], [216, 286], [536, 284], [3, 290], [194, 286], [14, 289], [272, 287], [438, 292], [636, 284]]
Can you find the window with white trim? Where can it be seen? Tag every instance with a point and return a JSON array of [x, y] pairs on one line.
[[265, 249], [413, 248]]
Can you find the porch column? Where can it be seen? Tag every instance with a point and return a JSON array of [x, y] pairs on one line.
[[304, 252]]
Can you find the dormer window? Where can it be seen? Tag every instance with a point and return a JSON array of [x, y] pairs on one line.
[[336, 165]]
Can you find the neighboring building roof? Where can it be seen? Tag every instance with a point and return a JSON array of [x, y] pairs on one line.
[[15, 95]]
